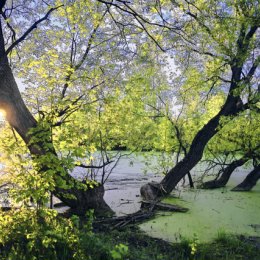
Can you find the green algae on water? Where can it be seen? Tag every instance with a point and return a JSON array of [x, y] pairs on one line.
[[211, 212]]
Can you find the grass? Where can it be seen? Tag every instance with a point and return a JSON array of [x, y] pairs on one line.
[[143, 247]]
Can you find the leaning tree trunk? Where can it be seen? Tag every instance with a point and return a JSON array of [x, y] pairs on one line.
[[183, 148], [22, 121], [224, 177], [250, 180], [232, 106]]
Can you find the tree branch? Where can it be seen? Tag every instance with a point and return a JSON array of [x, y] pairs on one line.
[[2, 4], [93, 166], [34, 26], [79, 64], [10, 27]]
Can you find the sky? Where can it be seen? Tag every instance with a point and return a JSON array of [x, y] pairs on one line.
[[20, 84]]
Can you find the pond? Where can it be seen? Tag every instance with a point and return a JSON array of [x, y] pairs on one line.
[[210, 211]]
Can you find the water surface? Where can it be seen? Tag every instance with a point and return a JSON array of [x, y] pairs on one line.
[[210, 212]]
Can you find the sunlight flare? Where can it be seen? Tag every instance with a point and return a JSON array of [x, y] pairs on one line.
[[2, 115]]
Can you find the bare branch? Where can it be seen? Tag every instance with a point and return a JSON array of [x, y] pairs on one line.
[[10, 27], [135, 14], [34, 26], [63, 111], [93, 166], [80, 63]]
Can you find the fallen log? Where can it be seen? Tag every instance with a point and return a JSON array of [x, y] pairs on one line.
[[122, 221], [147, 211], [157, 205]]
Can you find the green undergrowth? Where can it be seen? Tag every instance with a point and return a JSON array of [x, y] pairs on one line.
[[43, 235], [143, 247]]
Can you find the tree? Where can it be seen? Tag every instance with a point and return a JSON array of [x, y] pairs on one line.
[[218, 39], [226, 35], [236, 144], [38, 135], [73, 64], [224, 174], [78, 77]]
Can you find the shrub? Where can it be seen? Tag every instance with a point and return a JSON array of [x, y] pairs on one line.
[[31, 234]]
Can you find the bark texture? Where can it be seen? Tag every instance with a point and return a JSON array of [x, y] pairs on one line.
[[250, 180]]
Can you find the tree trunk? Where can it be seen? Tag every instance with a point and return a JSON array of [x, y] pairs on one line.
[[183, 148], [224, 177], [22, 121], [250, 180], [190, 180]]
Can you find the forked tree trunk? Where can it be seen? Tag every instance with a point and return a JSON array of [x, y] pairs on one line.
[[224, 177], [250, 180], [22, 121]]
